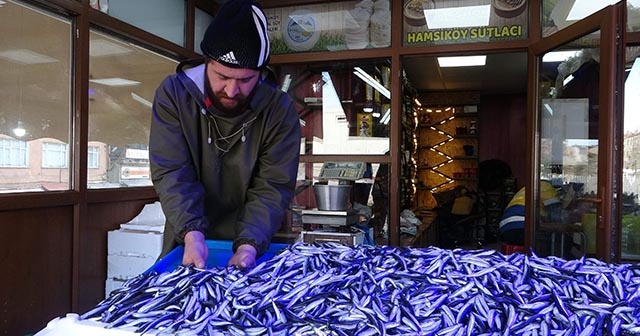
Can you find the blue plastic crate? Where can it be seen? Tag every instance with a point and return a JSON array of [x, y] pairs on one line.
[[219, 254]]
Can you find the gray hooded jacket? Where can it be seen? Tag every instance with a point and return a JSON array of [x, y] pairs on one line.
[[232, 189]]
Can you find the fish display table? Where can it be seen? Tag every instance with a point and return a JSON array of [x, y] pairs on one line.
[[334, 289]]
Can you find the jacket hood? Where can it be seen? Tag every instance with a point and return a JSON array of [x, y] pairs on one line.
[[192, 76]]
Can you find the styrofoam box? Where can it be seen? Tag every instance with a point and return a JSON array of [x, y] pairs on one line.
[[72, 326], [151, 214], [127, 267], [112, 284], [134, 243]]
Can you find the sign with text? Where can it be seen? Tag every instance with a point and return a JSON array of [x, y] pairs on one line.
[[429, 22]]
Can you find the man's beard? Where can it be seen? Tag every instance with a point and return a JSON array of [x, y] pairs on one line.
[[237, 108]]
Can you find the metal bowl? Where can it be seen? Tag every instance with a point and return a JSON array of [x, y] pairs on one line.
[[332, 197]]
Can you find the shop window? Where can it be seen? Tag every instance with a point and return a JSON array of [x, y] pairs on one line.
[[54, 155], [165, 18], [469, 21], [557, 15], [13, 153], [202, 21], [347, 25], [35, 95], [344, 107], [122, 82]]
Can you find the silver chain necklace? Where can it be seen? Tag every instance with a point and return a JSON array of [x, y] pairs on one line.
[[225, 138]]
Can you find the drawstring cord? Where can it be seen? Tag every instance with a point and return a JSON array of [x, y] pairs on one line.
[[221, 137]]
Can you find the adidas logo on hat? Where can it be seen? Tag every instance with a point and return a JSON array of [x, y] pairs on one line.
[[244, 30], [229, 58]]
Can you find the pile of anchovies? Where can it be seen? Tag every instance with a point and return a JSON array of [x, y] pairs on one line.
[[335, 289]]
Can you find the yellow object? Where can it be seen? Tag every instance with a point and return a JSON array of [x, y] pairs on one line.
[[462, 205], [589, 229]]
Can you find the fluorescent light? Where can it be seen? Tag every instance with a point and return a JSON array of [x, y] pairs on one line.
[[558, 56], [372, 82], [386, 117], [462, 61], [26, 56], [114, 82], [567, 80], [548, 108], [141, 100], [458, 17], [101, 47], [417, 102]]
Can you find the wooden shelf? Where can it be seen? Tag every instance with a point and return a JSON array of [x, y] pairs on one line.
[[441, 129]]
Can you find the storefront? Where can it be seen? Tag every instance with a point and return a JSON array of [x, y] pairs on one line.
[[79, 77]]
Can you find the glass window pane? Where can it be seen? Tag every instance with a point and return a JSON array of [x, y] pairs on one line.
[[330, 26], [569, 143], [631, 164], [557, 15], [165, 18], [429, 22], [344, 107], [203, 19], [35, 96], [123, 80]]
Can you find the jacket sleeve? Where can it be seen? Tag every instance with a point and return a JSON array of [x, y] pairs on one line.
[[274, 178], [173, 172]]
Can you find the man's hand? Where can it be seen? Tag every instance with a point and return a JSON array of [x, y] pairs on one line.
[[245, 257], [196, 251]]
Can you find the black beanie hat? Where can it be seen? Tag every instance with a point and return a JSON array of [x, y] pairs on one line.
[[238, 37]]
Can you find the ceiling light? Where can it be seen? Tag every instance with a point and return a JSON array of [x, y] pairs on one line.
[[368, 106], [19, 131], [100, 47], [386, 117], [462, 61], [115, 82], [567, 80], [458, 17], [417, 102], [558, 56], [141, 100], [26, 56], [372, 82]]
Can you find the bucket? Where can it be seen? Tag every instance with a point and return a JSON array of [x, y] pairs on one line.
[[332, 197]]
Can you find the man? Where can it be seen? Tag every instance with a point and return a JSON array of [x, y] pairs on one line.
[[512, 224], [224, 144]]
